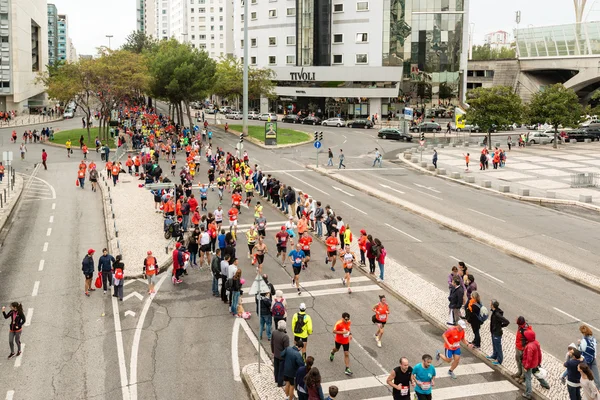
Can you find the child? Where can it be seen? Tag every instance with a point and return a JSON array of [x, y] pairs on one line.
[[467, 157], [333, 391]]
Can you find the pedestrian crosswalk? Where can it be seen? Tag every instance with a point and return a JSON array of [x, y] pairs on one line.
[[38, 189]]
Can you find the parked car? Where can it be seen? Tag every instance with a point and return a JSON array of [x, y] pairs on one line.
[[360, 123], [539, 138], [311, 121], [210, 111], [395, 134], [594, 131], [265, 117], [469, 128], [253, 115], [233, 115], [339, 122], [581, 134], [426, 127], [224, 110], [68, 114], [291, 118]]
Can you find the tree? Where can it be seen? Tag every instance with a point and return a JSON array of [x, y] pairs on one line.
[[447, 91], [493, 107], [485, 52], [555, 105], [138, 42]]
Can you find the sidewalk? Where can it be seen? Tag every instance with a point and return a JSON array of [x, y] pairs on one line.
[[535, 171], [24, 120], [9, 202]]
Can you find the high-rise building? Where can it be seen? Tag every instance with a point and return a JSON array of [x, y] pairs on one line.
[[60, 45], [63, 35], [146, 16], [52, 33], [23, 54]]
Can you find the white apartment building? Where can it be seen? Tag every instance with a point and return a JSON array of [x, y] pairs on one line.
[[206, 24], [331, 56], [23, 53]]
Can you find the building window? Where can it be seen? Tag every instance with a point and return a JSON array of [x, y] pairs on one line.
[[242, 17], [220, 9], [362, 59], [290, 60], [338, 8], [338, 38], [338, 59], [272, 41], [290, 40], [253, 2], [272, 60], [220, 27], [242, 43], [362, 6], [202, 45], [362, 38], [192, 10], [291, 12], [253, 60], [201, 10], [253, 42], [253, 15], [272, 13]]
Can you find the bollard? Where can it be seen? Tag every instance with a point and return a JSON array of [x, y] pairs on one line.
[[116, 233], [486, 184], [430, 168], [470, 179], [441, 171], [523, 192], [551, 194], [455, 175], [504, 188], [1, 202], [585, 198], [415, 160], [466, 144], [423, 164]]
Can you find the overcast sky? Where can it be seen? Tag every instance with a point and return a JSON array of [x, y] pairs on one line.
[[91, 21]]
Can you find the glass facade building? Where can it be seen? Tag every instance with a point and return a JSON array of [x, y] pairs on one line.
[[570, 40]]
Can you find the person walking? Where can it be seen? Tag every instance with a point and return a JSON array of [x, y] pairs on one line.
[[17, 320], [378, 157], [423, 378], [293, 360], [589, 391], [329, 157], [87, 266], [380, 318], [105, 263], [452, 340], [400, 380], [266, 319], [343, 335], [341, 158], [118, 267], [532, 359], [150, 271], [44, 158], [497, 322], [279, 341], [472, 313], [435, 158], [302, 327], [23, 150], [587, 346]]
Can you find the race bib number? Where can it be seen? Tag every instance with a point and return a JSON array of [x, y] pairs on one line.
[[151, 267], [298, 260], [403, 390], [425, 385], [383, 317], [283, 239], [261, 225]]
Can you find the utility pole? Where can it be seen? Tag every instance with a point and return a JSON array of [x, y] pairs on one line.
[[245, 92], [109, 37]]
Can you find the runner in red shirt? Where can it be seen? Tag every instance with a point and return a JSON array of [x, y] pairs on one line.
[[452, 339], [332, 242], [342, 339], [305, 241], [236, 200], [282, 239], [233, 220]]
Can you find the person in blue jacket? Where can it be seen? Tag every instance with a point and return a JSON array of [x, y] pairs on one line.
[[292, 362], [87, 266]]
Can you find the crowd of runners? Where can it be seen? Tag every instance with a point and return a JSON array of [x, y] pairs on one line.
[[210, 239]]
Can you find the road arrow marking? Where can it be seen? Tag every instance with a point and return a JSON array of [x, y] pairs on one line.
[[427, 187], [391, 188], [129, 312], [340, 190], [136, 294]]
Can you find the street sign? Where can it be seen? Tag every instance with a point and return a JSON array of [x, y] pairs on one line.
[[408, 113], [421, 142], [317, 145], [239, 146], [7, 156]]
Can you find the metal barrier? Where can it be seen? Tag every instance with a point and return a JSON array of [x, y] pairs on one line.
[[582, 180]]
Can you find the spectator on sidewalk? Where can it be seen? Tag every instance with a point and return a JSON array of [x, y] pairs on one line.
[[573, 375], [472, 313], [497, 322], [532, 359], [587, 346], [455, 300], [520, 343], [589, 391], [279, 341], [292, 362]]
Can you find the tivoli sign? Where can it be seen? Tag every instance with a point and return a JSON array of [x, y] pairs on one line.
[[302, 76]]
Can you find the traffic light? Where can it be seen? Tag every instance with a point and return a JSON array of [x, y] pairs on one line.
[[241, 138], [316, 136], [320, 136], [422, 135]]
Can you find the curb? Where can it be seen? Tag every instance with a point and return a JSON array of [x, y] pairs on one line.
[[530, 199], [248, 381], [261, 144], [11, 214]]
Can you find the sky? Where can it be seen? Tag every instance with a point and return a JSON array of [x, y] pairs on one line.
[[493, 15], [90, 22]]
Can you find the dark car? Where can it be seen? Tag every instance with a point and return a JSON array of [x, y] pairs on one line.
[[312, 121], [293, 118], [593, 131], [360, 123], [581, 134], [427, 127], [395, 134]]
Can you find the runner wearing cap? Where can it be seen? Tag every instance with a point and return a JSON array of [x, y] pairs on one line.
[[150, 271], [302, 327], [282, 238], [87, 266], [381, 311], [452, 339], [297, 259], [343, 335]]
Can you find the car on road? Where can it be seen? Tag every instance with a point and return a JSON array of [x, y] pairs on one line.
[[224, 110], [469, 128], [68, 114], [253, 115], [360, 123], [311, 121], [539, 138], [266, 116], [233, 115], [211, 111], [292, 118], [427, 127], [339, 122], [395, 134]]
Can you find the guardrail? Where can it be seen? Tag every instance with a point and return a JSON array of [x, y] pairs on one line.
[[583, 180]]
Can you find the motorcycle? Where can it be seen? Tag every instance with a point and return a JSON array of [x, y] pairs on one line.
[[173, 228]]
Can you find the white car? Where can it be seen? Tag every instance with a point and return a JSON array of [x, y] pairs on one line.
[[224, 110], [253, 115], [540, 137], [233, 115], [339, 122], [68, 114], [265, 117]]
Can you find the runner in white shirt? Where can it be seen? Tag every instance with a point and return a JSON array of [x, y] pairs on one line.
[[218, 217], [348, 258], [204, 246], [290, 227]]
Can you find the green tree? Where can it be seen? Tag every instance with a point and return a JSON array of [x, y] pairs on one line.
[[138, 42], [485, 52], [447, 91], [493, 107], [555, 105]]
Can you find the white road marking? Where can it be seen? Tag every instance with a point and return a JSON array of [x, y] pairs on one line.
[[351, 206], [404, 233], [41, 267], [307, 184], [366, 169], [28, 316], [10, 394], [323, 292], [235, 361], [45, 247], [478, 270], [462, 391], [276, 171], [136, 341], [427, 187], [129, 312], [51, 219], [576, 319], [558, 240], [391, 188], [343, 191], [136, 294], [120, 350], [49, 185], [53, 206], [276, 223], [254, 340], [19, 359], [407, 187], [487, 215], [36, 287], [355, 342], [49, 232], [581, 248]]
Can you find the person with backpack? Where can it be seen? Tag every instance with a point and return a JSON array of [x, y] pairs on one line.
[[497, 322], [279, 308], [476, 315], [587, 346], [302, 327]]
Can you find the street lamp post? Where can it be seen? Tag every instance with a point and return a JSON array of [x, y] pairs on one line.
[[245, 91], [109, 37]]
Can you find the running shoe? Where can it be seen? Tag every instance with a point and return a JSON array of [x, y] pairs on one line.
[[11, 355], [299, 293], [330, 356], [349, 291], [18, 353], [489, 357], [451, 374], [343, 281], [326, 259], [379, 343], [437, 355], [495, 362], [333, 269], [347, 371], [87, 294]]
